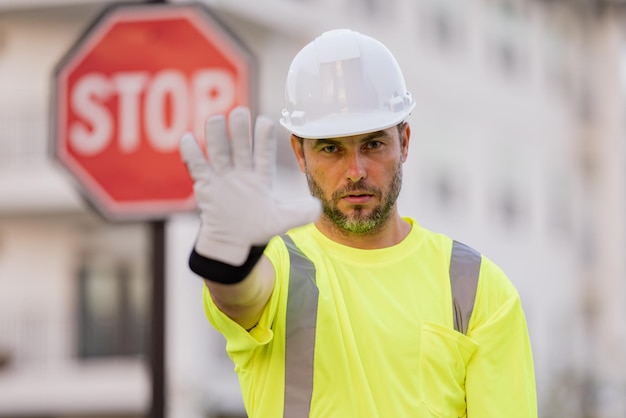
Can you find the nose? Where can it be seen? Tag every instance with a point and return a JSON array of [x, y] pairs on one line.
[[356, 169]]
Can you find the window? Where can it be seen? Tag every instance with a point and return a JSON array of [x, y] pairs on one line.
[[378, 10], [371, 7], [113, 294], [507, 38], [509, 207], [444, 24]]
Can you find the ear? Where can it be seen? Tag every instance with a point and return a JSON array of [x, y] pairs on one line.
[[298, 151], [405, 139]]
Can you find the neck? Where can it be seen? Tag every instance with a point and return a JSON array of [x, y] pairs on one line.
[[387, 234]]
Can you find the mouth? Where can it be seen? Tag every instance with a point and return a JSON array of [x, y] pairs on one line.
[[357, 198]]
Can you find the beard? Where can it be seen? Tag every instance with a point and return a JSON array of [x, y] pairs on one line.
[[361, 220]]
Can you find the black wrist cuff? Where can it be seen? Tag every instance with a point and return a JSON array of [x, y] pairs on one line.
[[220, 272]]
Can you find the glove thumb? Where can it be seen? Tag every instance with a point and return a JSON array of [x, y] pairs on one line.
[[297, 213]]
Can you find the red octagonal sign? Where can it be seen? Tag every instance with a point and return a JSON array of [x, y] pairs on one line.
[[139, 78]]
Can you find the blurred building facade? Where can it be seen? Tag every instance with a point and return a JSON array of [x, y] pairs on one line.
[[518, 149]]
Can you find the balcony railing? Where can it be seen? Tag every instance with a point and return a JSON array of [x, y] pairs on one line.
[[24, 136], [27, 341]]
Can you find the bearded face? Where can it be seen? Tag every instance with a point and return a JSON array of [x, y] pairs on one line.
[[354, 217]]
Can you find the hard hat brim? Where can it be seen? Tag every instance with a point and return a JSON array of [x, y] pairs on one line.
[[338, 125]]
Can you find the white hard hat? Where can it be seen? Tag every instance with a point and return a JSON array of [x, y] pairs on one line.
[[344, 83]]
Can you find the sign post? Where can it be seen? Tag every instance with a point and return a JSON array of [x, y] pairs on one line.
[[134, 82]]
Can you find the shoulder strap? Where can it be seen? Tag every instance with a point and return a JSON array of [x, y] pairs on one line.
[[464, 271]]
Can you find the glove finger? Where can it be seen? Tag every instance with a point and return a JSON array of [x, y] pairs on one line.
[[239, 120], [193, 157], [218, 145], [265, 150]]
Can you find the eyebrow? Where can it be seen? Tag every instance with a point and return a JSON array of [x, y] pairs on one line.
[[335, 141]]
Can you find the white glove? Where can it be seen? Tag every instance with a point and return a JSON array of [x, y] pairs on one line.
[[234, 189]]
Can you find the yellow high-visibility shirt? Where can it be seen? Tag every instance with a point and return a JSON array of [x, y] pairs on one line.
[[384, 342]]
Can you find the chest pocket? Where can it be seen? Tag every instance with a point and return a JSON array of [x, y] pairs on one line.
[[445, 352]]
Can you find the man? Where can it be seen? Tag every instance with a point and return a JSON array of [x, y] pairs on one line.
[[357, 311]]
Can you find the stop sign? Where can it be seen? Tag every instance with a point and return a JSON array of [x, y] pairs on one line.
[[139, 78]]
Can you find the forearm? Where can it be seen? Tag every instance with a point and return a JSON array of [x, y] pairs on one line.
[[244, 301]]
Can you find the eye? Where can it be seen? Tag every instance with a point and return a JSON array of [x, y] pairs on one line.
[[373, 144], [330, 149]]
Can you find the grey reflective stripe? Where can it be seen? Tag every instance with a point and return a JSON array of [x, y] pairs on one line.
[[300, 333], [464, 271]]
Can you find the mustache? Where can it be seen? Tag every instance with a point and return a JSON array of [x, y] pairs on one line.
[[360, 187]]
